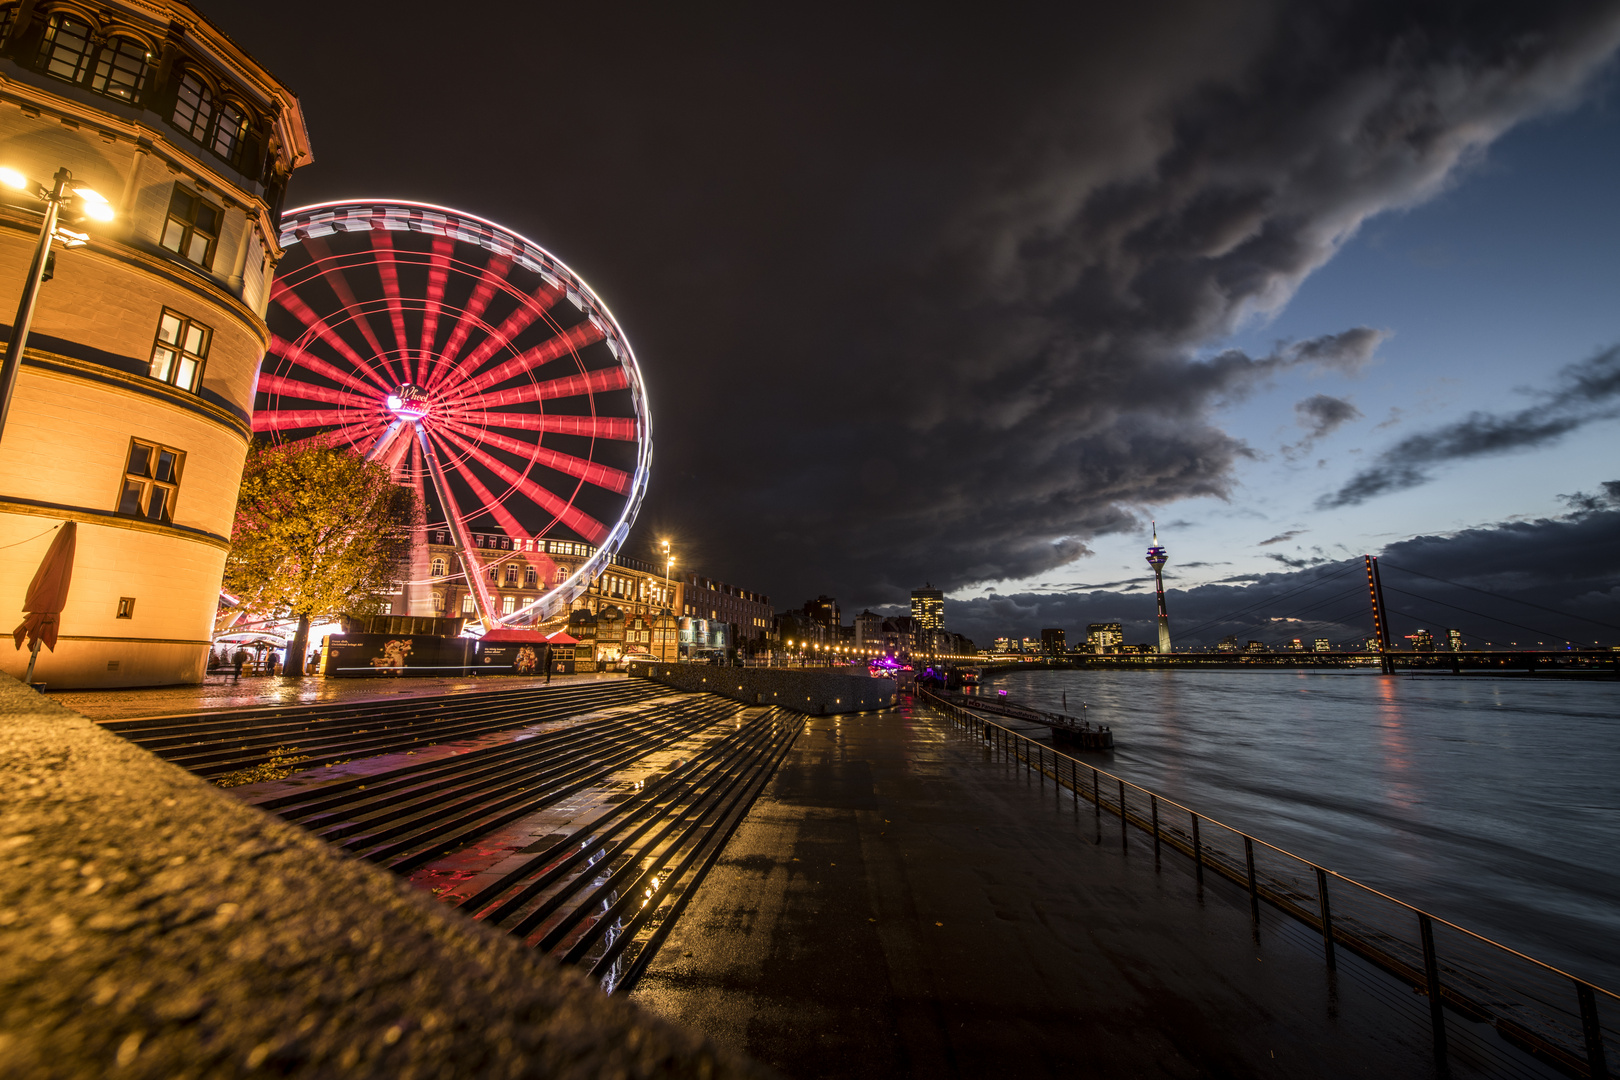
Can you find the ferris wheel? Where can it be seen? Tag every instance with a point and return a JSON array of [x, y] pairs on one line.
[[473, 363]]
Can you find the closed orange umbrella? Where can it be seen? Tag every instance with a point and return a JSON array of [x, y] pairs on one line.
[[47, 594]]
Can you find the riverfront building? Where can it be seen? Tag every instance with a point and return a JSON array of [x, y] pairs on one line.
[[131, 411], [1104, 637], [928, 608]]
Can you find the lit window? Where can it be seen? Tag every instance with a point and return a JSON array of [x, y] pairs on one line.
[[181, 349], [151, 481], [467, 606], [228, 131], [494, 575], [508, 605], [562, 574], [439, 567], [385, 609], [126, 607], [511, 576], [65, 52], [531, 577], [194, 108], [121, 69], [192, 228]]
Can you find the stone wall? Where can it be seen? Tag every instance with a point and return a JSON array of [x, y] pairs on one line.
[[806, 690]]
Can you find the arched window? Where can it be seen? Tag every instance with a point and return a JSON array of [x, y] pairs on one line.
[[511, 576], [8, 19], [439, 567], [228, 130], [121, 68], [194, 108], [438, 603], [65, 52], [531, 577], [562, 574]]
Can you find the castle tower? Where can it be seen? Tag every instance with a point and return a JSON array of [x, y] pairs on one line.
[[1157, 556], [132, 407]]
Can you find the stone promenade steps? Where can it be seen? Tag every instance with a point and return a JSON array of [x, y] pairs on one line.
[[212, 744], [605, 895], [405, 818]]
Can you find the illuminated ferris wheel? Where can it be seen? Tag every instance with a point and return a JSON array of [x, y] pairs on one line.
[[472, 362]]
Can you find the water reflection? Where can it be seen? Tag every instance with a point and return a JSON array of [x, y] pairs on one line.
[[1491, 801]]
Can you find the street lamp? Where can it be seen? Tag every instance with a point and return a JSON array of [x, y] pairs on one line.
[[94, 205]]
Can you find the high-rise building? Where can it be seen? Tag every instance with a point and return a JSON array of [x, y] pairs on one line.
[[823, 611], [1454, 640], [1052, 642], [1105, 637], [1157, 556], [1322, 645], [928, 608], [132, 407], [868, 631]]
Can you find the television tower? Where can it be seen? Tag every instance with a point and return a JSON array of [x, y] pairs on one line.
[[1157, 557]]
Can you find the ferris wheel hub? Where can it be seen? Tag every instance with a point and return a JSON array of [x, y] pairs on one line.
[[409, 402]]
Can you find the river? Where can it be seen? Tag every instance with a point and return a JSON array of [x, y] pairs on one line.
[[1492, 802]]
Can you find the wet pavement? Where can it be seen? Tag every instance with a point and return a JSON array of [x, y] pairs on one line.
[[269, 691], [898, 902]]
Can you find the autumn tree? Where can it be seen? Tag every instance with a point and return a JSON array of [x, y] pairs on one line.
[[319, 532]]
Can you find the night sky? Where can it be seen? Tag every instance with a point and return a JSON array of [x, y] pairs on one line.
[[971, 298]]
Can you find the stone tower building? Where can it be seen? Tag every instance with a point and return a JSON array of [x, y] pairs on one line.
[[131, 413]]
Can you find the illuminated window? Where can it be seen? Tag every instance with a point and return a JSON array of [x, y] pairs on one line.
[[126, 607], [494, 575], [151, 481], [562, 574], [439, 567], [121, 69], [467, 606], [194, 108], [228, 132], [508, 605], [511, 576], [385, 609], [65, 52], [531, 577], [181, 349], [193, 227]]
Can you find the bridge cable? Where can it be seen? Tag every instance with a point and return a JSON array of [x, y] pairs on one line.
[[1500, 596], [1480, 614], [1256, 605]]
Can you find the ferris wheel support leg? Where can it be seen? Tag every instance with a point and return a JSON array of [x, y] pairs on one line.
[[385, 440], [458, 532]]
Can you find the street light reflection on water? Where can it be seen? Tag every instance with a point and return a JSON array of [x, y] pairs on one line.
[[1489, 801]]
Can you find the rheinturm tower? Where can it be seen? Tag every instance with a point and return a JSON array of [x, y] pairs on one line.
[[1157, 556]]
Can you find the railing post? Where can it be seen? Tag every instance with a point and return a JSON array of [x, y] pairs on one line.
[[1154, 800], [1124, 822], [1254, 891], [1074, 783], [1198, 853], [1327, 916], [1431, 975], [1597, 1065]]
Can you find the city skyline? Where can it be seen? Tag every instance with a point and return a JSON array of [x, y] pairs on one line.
[[962, 398]]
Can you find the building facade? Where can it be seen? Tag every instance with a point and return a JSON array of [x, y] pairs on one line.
[[749, 613], [1104, 637], [928, 608], [131, 412], [1053, 642]]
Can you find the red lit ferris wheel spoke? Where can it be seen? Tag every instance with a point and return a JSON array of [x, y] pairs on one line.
[[621, 429], [592, 382], [572, 340], [382, 250], [438, 275], [490, 280], [514, 324], [357, 435], [582, 523], [280, 384], [491, 502], [294, 305], [293, 419], [340, 286], [602, 476], [285, 349]]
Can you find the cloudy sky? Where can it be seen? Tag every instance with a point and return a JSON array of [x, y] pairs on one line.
[[973, 300]]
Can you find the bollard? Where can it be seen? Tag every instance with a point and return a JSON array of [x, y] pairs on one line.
[[1431, 974], [1327, 917]]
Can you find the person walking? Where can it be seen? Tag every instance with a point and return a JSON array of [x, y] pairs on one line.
[[238, 660]]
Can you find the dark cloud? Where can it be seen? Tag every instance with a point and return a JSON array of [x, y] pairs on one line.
[[1322, 414], [923, 296], [1281, 537], [1551, 580], [1584, 393]]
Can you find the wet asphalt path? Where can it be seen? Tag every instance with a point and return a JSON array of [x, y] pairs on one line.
[[898, 902]]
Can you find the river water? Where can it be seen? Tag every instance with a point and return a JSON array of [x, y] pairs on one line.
[[1492, 802]]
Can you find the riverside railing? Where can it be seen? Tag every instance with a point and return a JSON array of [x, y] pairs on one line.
[[1535, 1008]]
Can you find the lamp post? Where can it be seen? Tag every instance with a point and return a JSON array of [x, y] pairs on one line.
[[62, 189]]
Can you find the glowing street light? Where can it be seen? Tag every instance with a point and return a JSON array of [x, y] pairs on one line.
[[93, 205]]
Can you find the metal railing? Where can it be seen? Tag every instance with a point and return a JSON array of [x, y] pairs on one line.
[[1549, 1014]]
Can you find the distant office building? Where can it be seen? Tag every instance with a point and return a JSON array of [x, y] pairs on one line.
[[1104, 637], [1002, 645], [1030, 647], [1254, 646], [868, 631], [1297, 645], [1052, 642], [928, 608], [1322, 645], [1227, 644], [1454, 639], [1422, 641], [823, 611]]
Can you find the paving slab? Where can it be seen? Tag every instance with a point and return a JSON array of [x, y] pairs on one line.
[[900, 902]]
